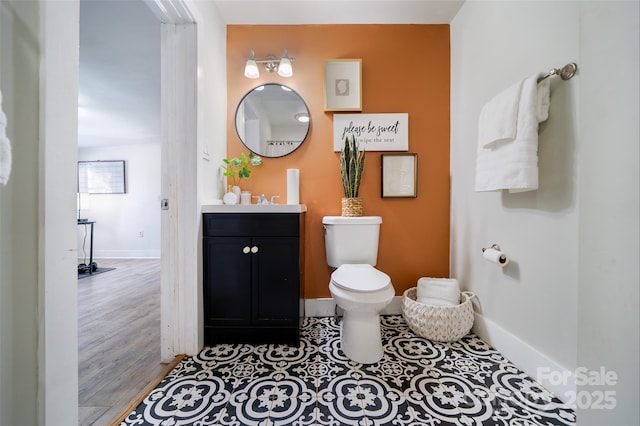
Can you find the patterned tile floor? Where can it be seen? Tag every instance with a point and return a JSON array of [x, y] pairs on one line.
[[418, 382]]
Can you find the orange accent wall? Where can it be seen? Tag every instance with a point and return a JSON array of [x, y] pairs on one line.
[[405, 68]]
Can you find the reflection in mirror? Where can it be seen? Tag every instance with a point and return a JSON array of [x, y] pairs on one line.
[[272, 120]]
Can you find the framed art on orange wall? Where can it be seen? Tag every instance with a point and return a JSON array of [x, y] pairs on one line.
[[399, 175], [343, 85]]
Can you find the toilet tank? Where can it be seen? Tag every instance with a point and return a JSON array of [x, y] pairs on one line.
[[351, 239]]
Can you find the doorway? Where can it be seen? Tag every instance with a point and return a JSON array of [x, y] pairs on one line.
[[173, 154]]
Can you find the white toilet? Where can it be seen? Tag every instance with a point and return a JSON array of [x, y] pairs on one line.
[[358, 288]]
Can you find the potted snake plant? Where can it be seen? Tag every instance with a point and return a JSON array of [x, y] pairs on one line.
[[351, 169]]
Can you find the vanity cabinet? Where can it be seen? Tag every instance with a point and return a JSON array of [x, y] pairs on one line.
[[252, 277]]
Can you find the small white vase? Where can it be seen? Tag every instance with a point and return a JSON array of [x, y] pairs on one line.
[[236, 190], [230, 198]]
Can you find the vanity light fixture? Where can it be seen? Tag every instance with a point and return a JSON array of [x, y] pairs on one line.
[[285, 69], [271, 64], [251, 67]]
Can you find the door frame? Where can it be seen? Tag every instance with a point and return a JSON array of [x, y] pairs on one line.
[[179, 226]]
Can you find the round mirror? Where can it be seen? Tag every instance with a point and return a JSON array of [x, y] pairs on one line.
[[272, 120]]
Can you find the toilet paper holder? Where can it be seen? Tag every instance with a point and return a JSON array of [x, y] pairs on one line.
[[502, 259], [492, 246]]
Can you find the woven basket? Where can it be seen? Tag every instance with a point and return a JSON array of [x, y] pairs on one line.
[[438, 323], [352, 207]]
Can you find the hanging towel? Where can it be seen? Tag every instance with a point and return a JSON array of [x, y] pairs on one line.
[[505, 162], [5, 148], [438, 291], [498, 118]]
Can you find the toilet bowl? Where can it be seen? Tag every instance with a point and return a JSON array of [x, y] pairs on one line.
[[362, 292]]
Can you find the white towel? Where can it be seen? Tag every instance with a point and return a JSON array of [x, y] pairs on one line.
[[499, 117], [5, 149], [543, 101], [512, 163], [438, 291]]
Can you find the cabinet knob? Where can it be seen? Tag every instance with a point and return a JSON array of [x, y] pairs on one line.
[[246, 249], [254, 249]]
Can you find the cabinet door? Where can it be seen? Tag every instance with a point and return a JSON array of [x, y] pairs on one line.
[[276, 284], [227, 281]]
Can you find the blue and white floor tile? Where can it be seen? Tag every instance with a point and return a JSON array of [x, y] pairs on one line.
[[418, 382]]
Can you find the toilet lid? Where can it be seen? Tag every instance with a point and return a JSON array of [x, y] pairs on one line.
[[359, 277]]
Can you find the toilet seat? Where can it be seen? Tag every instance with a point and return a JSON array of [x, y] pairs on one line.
[[361, 278]]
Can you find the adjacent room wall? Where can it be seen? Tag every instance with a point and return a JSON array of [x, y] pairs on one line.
[[405, 68], [122, 218], [570, 294]]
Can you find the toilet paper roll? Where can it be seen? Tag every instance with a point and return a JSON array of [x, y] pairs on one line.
[[495, 256], [293, 186]]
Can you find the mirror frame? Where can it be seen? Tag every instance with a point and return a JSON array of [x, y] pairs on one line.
[[254, 89]]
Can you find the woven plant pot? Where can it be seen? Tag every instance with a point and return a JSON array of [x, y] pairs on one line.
[[438, 323], [352, 207]]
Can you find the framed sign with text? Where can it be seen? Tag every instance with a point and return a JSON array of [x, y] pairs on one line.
[[374, 132]]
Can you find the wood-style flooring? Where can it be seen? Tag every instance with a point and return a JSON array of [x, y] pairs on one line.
[[118, 337]]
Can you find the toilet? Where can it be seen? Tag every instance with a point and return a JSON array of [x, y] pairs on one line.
[[356, 285]]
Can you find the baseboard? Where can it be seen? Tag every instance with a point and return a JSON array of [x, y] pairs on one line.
[[393, 308], [533, 362], [325, 307], [124, 254]]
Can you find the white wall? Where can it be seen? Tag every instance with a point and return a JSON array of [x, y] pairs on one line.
[[493, 44], [212, 139], [212, 100], [19, 56], [120, 218], [608, 294], [544, 298]]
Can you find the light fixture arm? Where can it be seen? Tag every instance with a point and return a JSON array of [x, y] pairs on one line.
[[270, 59], [271, 63]]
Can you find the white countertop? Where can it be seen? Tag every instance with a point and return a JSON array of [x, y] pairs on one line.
[[254, 208]]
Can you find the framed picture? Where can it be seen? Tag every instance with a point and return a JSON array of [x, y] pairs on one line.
[[343, 85], [101, 177], [374, 132], [399, 175]]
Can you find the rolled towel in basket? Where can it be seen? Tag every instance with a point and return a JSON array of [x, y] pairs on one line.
[[438, 291]]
